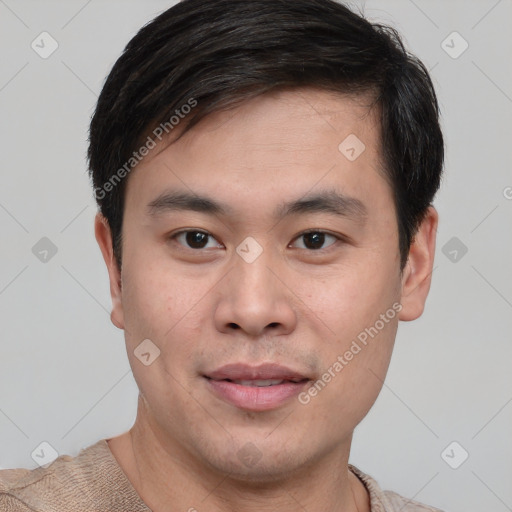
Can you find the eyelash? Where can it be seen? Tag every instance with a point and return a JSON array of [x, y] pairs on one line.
[[339, 238]]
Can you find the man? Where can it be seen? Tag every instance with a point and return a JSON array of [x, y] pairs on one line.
[[264, 172]]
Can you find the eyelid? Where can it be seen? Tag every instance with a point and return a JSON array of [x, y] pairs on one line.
[[339, 237], [175, 234]]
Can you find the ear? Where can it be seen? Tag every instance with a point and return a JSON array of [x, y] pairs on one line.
[[104, 239], [417, 273]]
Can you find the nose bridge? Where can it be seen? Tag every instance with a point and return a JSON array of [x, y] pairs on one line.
[[252, 275], [253, 298]]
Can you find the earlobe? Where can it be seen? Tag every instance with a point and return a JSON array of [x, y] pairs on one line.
[[104, 239], [417, 273]]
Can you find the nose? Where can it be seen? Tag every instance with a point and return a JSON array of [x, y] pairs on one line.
[[255, 299]]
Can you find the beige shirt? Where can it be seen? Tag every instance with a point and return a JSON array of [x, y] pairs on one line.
[[93, 481]]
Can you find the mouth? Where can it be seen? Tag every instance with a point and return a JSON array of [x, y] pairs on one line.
[[256, 388], [263, 383]]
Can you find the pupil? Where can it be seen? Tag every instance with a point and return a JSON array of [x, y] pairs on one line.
[[316, 238], [195, 239]]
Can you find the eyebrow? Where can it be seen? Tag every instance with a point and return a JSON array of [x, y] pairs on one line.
[[326, 201]]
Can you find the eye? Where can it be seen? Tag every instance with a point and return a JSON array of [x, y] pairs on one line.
[[193, 239], [315, 239]]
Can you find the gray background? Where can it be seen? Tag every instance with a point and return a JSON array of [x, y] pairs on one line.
[[64, 373]]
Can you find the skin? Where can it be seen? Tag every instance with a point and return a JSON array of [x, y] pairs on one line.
[[293, 305]]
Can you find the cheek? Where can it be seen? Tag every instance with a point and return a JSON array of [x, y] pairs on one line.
[[153, 296], [352, 377], [360, 309], [349, 299], [169, 310], [161, 310]]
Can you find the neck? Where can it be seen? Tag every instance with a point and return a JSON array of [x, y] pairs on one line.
[[163, 472]]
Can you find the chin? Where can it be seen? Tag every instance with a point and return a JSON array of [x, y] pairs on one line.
[[264, 474], [259, 462]]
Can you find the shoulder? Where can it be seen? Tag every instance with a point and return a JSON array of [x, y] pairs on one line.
[[388, 501], [397, 502], [91, 480], [8, 484], [24, 489]]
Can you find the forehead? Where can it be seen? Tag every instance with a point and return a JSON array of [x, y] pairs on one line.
[[299, 120], [283, 141]]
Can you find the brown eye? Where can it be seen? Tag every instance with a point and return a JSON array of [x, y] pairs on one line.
[[193, 239], [315, 240]]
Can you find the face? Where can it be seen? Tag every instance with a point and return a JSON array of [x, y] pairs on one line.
[[272, 305]]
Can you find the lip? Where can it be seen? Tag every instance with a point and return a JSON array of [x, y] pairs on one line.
[[240, 371], [255, 398]]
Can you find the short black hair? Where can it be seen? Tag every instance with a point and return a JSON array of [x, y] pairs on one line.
[[213, 55]]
